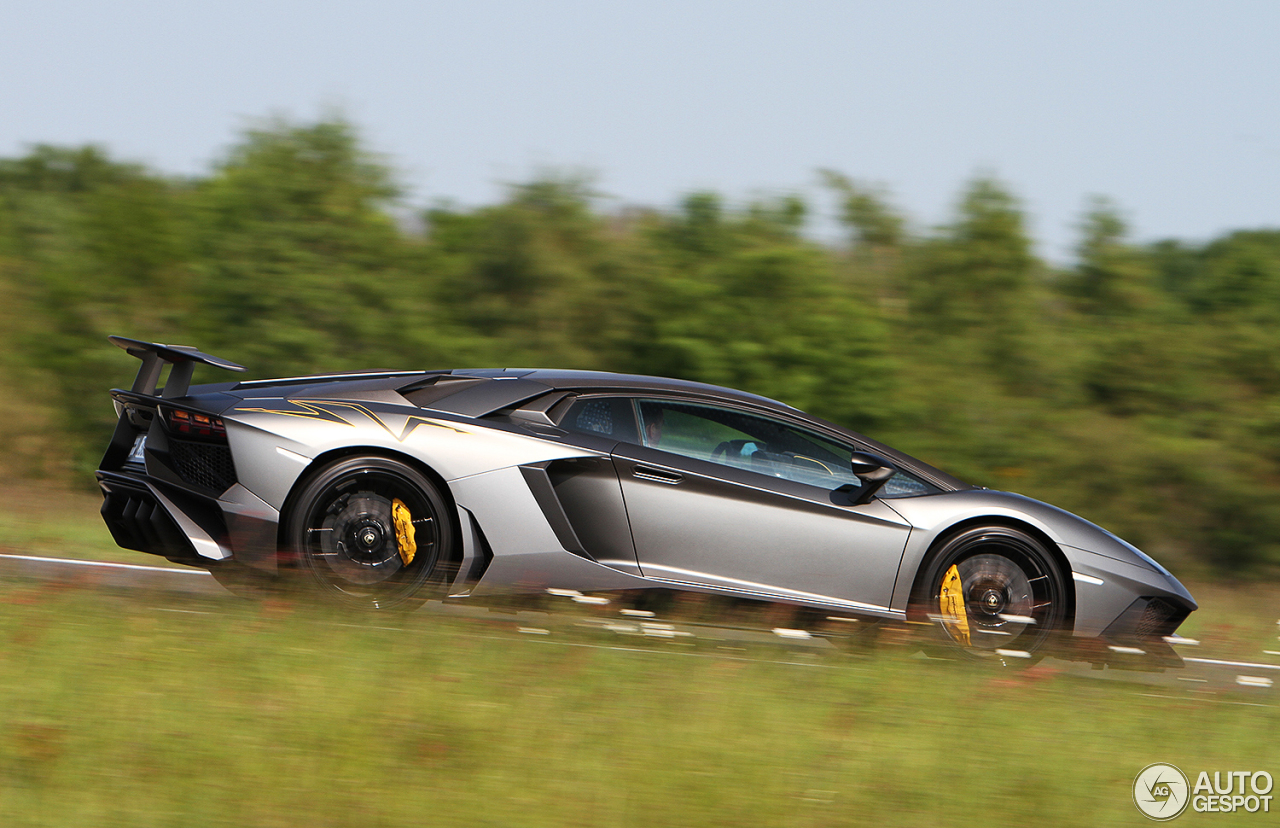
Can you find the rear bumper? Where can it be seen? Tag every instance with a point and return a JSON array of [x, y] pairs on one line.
[[148, 516], [161, 518], [179, 496]]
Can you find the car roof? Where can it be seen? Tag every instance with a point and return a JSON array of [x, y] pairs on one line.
[[520, 383], [562, 380], [477, 392]]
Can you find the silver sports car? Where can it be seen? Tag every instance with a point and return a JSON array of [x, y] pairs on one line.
[[386, 489]]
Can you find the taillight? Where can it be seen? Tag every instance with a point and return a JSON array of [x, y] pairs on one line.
[[194, 424]]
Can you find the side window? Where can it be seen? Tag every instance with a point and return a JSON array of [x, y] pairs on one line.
[[747, 441], [904, 485], [730, 438], [602, 416]]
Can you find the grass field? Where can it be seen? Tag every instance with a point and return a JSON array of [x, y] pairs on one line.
[[137, 709], [134, 710]]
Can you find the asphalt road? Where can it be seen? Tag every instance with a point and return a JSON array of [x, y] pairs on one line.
[[1211, 679]]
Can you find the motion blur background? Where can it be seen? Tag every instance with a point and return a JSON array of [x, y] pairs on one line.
[[1036, 244], [897, 217]]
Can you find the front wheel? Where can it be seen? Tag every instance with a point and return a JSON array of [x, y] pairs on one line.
[[371, 532], [996, 593]]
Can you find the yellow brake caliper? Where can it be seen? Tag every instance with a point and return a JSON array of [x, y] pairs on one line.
[[404, 531], [952, 606]]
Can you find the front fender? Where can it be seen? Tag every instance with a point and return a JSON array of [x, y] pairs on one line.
[[1107, 573]]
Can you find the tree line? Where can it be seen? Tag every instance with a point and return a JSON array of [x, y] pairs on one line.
[[1139, 386]]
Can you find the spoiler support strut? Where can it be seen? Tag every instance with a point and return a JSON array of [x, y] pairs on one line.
[[155, 356]]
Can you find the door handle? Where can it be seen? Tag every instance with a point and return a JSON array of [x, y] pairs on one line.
[[656, 475]]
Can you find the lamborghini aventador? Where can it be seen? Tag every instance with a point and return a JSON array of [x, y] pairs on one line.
[[385, 489]]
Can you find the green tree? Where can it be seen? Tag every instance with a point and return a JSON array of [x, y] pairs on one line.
[[768, 315], [1112, 278], [538, 276], [94, 247], [865, 212], [975, 282], [302, 266], [1124, 320]]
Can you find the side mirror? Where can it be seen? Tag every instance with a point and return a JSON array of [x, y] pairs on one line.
[[873, 470]]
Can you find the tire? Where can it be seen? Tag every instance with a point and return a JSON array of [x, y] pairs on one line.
[[1013, 594], [348, 527]]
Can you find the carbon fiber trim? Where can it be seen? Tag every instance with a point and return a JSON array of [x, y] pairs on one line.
[[544, 494]]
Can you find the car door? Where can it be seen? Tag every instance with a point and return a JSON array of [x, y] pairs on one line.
[[753, 504]]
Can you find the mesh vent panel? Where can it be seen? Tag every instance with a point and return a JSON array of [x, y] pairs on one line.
[[203, 464]]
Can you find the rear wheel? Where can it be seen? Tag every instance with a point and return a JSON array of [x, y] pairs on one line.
[[371, 533], [996, 593]]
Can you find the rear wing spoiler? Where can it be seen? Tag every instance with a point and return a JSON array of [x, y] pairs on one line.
[[155, 356]]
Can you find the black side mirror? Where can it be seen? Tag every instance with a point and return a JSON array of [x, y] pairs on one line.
[[873, 470]]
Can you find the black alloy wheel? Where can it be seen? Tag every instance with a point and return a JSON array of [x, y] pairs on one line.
[[371, 532], [996, 593]]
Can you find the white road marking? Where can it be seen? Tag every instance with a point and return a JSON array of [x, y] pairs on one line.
[[1221, 663], [1253, 681], [1204, 700], [104, 564], [366, 627]]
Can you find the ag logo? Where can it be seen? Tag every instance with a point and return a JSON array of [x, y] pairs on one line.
[[1161, 792]]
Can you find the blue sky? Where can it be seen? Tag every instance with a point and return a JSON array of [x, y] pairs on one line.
[[1169, 108]]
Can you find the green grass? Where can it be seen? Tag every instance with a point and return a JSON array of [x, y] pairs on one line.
[[120, 711]]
